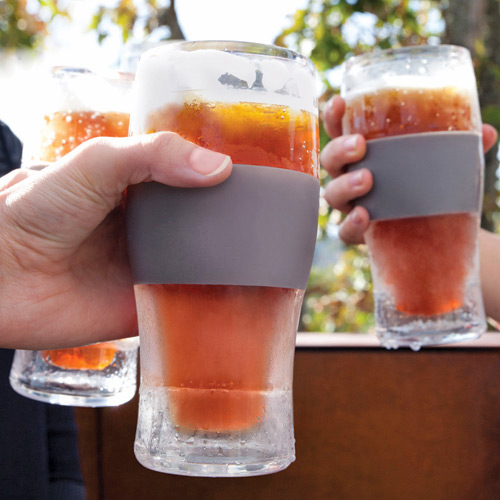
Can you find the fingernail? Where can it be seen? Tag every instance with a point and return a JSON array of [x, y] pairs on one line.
[[356, 178], [207, 162], [225, 163], [354, 217], [351, 143]]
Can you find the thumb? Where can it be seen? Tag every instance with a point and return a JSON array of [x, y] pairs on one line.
[[109, 165], [71, 197]]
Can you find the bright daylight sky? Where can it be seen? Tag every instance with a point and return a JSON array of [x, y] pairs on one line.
[[257, 21]]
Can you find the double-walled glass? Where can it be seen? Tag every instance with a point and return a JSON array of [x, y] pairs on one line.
[[419, 105], [79, 105], [217, 358]]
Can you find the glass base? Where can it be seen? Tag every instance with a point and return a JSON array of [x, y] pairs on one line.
[[34, 377], [393, 339], [198, 465], [396, 329], [73, 398], [264, 447]]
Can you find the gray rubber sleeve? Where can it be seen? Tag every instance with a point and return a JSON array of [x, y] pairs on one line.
[[257, 228], [423, 174]]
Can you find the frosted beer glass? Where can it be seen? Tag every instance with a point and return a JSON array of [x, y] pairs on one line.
[[217, 351], [79, 105], [419, 111]]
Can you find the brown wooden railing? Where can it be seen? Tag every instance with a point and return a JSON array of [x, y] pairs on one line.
[[370, 424]]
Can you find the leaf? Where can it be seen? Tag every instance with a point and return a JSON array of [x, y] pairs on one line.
[[491, 115]]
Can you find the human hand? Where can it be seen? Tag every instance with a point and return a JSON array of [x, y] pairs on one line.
[[346, 186], [64, 273]]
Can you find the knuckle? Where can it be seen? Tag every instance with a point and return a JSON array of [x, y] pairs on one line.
[[163, 143], [96, 143], [335, 196]]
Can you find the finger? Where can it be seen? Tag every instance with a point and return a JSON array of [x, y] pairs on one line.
[[332, 116], [490, 136], [340, 192], [353, 227], [112, 164], [13, 177], [341, 151], [72, 196]]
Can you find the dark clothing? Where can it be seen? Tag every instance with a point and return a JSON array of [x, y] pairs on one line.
[[39, 457], [38, 446], [10, 150]]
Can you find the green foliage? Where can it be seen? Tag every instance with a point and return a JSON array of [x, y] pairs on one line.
[[124, 15], [491, 115], [18, 29], [21, 29], [339, 295], [53, 8], [330, 31]]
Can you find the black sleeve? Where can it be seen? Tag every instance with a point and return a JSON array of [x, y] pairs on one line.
[[10, 150], [66, 482], [23, 441], [39, 456]]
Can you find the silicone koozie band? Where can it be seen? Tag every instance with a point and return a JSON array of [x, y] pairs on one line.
[[423, 174], [257, 228]]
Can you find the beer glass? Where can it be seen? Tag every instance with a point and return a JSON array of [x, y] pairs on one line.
[[220, 272], [418, 109], [79, 105]]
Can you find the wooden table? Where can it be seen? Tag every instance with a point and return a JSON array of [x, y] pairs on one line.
[[370, 424]]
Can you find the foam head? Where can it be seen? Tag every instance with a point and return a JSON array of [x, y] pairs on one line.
[[420, 67], [221, 72], [79, 89]]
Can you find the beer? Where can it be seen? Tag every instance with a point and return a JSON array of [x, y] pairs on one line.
[[424, 260], [91, 357], [218, 342], [62, 132], [398, 111], [251, 133]]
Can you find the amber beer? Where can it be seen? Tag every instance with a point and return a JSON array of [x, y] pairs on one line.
[[424, 260], [218, 342], [63, 131]]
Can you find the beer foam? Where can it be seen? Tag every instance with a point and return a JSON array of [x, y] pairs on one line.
[[166, 75], [88, 92], [460, 80]]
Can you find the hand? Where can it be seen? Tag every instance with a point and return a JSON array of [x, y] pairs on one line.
[[345, 187], [64, 274]]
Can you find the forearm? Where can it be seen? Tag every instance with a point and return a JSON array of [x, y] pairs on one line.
[[489, 250]]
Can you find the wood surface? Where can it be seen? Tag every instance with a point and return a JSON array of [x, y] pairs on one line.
[[370, 424]]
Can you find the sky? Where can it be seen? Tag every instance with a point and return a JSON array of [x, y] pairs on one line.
[[256, 21]]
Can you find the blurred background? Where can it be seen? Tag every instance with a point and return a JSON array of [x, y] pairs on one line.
[[38, 34]]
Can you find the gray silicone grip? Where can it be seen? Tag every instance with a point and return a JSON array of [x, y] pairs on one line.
[[257, 228], [423, 174]]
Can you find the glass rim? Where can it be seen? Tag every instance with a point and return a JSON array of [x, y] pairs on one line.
[[68, 72], [237, 47], [394, 54]]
